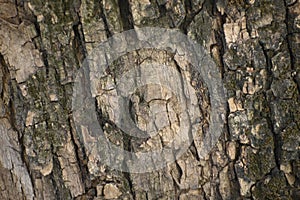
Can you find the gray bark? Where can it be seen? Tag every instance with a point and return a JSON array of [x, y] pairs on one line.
[[256, 47]]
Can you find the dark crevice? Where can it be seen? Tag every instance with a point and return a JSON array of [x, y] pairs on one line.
[[80, 53], [290, 4], [80, 153], [235, 183], [213, 176], [37, 27], [251, 191], [268, 65], [204, 194], [177, 191], [11, 114], [221, 48], [45, 61], [189, 17], [180, 172], [182, 86], [188, 6], [127, 145], [126, 15], [290, 32], [220, 41], [236, 188], [194, 151], [18, 14], [270, 122], [78, 43], [130, 184], [5, 78], [80, 157], [79, 40], [78, 148], [217, 190], [42, 50], [231, 166], [58, 183], [103, 17], [161, 8], [102, 121], [176, 186]]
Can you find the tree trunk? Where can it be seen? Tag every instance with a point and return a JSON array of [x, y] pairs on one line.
[[47, 154]]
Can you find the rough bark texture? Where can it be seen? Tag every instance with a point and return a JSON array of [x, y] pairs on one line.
[[256, 46]]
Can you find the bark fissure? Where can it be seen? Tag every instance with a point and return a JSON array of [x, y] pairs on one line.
[[81, 158], [189, 17], [276, 137], [9, 93], [79, 43], [106, 26], [125, 14], [290, 32]]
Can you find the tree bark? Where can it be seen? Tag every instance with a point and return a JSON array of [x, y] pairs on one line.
[[255, 46]]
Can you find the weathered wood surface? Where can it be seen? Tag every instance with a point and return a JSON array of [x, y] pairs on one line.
[[256, 46]]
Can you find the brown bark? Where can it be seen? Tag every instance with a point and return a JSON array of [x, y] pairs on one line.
[[256, 47]]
